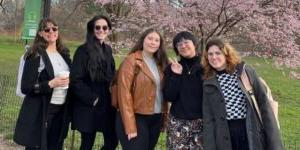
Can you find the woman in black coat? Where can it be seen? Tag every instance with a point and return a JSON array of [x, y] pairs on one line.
[[230, 120], [92, 71], [43, 122]]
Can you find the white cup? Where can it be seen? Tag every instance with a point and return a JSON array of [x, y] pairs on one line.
[[63, 74]]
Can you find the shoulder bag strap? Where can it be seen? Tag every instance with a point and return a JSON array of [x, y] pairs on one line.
[[249, 89]]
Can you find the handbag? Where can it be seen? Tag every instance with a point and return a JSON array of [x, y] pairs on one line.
[[20, 74], [247, 84]]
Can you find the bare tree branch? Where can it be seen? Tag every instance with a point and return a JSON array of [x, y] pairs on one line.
[[219, 20], [232, 24], [79, 3], [266, 3], [1, 5]]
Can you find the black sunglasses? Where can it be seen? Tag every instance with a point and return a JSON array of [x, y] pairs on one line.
[[47, 30], [104, 28]]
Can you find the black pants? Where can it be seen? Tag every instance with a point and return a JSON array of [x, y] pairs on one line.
[[238, 134], [54, 126], [148, 131], [88, 139], [32, 148]]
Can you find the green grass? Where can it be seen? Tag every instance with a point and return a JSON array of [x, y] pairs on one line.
[[285, 90]]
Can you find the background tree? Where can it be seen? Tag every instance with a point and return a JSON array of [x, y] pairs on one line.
[[269, 27], [11, 16], [262, 27]]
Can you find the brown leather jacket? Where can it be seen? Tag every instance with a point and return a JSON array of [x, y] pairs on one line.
[[139, 97]]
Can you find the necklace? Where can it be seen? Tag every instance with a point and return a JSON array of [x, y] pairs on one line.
[[189, 70]]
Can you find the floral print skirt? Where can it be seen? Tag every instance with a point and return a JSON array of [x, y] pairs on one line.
[[184, 134]]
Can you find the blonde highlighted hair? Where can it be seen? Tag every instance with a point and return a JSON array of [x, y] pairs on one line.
[[231, 55]]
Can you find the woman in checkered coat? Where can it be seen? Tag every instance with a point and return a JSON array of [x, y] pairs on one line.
[[230, 122]]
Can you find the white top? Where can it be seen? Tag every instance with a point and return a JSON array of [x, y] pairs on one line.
[[60, 68], [151, 63]]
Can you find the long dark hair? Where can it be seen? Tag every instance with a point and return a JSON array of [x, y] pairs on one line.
[[160, 55], [99, 63], [40, 44]]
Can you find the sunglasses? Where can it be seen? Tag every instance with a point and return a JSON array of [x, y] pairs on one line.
[[47, 30], [104, 28]]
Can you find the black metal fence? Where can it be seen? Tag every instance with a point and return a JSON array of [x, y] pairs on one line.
[[10, 105]]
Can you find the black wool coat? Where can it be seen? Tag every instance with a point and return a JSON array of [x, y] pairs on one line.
[[87, 117], [31, 126], [265, 136]]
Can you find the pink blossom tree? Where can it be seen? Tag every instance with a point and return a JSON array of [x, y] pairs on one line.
[[268, 26]]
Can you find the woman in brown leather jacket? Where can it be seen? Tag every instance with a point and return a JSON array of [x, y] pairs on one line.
[[140, 102]]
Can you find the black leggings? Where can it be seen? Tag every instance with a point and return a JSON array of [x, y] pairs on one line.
[[148, 131]]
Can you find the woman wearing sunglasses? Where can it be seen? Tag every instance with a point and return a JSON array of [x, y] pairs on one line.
[[43, 122], [91, 74]]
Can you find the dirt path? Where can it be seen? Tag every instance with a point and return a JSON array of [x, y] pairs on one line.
[[7, 145]]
